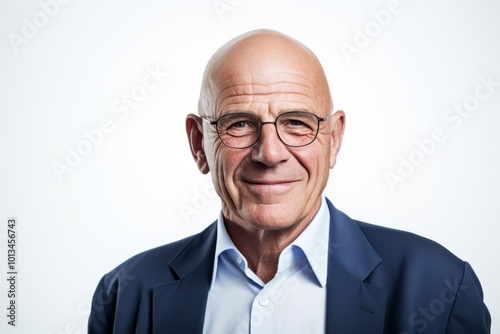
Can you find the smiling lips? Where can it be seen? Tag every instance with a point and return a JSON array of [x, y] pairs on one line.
[[269, 186], [268, 182]]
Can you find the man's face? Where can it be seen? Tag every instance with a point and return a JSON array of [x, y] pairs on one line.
[[268, 186]]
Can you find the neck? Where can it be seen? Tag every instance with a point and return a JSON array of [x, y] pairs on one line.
[[262, 248]]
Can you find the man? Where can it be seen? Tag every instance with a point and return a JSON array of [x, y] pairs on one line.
[[281, 258]]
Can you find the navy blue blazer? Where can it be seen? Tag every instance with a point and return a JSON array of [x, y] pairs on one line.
[[380, 280]]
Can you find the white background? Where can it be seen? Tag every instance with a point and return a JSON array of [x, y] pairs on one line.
[[139, 187]]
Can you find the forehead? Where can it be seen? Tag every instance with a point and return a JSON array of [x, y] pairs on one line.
[[261, 84], [267, 93]]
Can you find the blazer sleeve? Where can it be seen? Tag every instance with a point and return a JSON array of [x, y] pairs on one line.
[[469, 313], [100, 319]]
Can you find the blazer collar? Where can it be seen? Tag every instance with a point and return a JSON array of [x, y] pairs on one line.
[[349, 247], [353, 305], [179, 305], [199, 250]]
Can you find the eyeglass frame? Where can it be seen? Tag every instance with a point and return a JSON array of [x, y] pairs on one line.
[[320, 119]]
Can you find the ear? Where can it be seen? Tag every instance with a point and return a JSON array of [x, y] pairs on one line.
[[194, 129], [338, 124]]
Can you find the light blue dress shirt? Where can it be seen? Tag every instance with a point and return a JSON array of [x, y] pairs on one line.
[[294, 301]]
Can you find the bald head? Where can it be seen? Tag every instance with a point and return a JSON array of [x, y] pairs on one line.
[[260, 56]]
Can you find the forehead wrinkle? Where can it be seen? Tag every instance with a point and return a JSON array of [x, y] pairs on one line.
[[269, 80], [247, 89], [237, 92], [264, 94], [252, 89]]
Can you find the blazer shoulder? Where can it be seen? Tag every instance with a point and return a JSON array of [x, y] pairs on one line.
[[402, 246], [123, 298], [422, 276]]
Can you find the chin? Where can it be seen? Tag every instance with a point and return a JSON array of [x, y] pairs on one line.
[[268, 217]]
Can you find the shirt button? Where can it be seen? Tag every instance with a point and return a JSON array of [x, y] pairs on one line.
[[264, 302], [238, 259]]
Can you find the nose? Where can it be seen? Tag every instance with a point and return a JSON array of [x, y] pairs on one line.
[[269, 149]]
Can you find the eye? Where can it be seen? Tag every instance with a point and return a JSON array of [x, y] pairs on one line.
[[295, 122], [238, 125]]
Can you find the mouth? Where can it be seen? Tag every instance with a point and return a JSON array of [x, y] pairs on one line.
[[268, 182], [269, 187]]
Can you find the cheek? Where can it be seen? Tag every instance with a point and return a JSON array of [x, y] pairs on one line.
[[223, 163], [324, 152], [317, 164]]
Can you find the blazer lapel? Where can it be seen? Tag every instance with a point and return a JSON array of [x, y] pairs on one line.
[[353, 305], [179, 306]]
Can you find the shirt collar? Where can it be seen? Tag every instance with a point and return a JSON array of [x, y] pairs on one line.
[[223, 243], [313, 242]]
